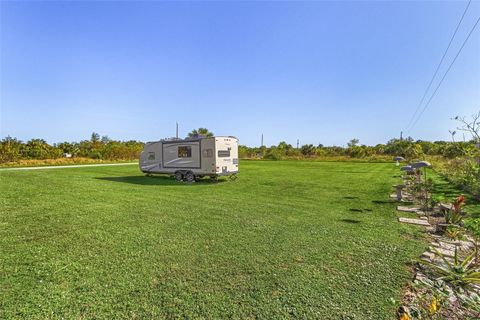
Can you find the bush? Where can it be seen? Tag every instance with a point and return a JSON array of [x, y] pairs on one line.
[[273, 154]]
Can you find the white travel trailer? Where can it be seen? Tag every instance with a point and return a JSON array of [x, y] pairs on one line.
[[191, 158]]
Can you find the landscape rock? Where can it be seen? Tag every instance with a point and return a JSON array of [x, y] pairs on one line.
[[419, 276], [446, 245], [408, 209], [464, 245], [431, 229], [427, 256], [419, 222], [445, 206], [460, 244], [443, 251], [441, 244]]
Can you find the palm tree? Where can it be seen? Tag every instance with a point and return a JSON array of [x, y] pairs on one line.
[[200, 132]]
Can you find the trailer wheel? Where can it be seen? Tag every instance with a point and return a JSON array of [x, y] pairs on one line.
[[190, 177], [178, 176]]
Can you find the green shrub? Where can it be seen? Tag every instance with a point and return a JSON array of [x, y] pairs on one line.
[[459, 274], [273, 154]]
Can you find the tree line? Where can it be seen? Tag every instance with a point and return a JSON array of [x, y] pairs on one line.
[[407, 148], [97, 147], [12, 149]]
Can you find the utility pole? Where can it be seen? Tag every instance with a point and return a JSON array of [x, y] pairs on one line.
[[298, 143], [261, 144], [401, 135], [176, 135]]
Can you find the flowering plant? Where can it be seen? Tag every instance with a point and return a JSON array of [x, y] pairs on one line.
[[458, 203], [455, 215]]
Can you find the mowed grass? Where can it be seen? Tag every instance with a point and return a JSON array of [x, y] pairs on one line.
[[288, 239]]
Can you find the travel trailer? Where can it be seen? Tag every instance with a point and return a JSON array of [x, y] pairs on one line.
[[191, 158]]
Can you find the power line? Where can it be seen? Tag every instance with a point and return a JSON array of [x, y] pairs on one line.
[[446, 72], [438, 66]]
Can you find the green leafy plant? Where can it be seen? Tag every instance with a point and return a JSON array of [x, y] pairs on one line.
[[473, 225], [471, 302], [454, 232], [459, 274], [435, 200], [452, 217], [421, 191]]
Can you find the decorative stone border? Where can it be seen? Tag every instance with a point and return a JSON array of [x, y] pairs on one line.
[[438, 243]]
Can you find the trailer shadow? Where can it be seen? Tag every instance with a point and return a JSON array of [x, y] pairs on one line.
[[158, 181]]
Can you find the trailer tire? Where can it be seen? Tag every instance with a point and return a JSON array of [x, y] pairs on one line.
[[178, 176], [190, 177]]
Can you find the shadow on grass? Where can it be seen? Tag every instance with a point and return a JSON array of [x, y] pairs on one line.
[[446, 189], [360, 210], [350, 221], [158, 181], [451, 191], [383, 201]]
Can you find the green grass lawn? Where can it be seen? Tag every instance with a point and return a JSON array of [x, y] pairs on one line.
[[287, 239]]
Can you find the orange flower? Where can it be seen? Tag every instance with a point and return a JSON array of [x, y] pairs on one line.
[[405, 316], [460, 201]]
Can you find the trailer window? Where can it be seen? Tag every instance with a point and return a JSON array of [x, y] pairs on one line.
[[208, 153], [185, 152], [223, 153], [151, 156]]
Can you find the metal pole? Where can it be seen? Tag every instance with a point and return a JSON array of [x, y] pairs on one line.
[[176, 130]]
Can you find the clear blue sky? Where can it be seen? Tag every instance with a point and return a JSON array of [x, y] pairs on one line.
[[323, 72]]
